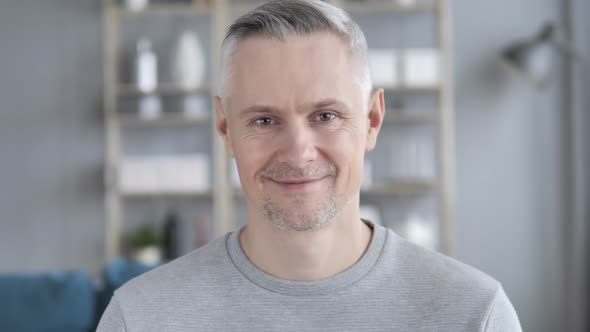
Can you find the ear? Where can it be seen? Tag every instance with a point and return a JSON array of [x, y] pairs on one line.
[[222, 126], [375, 117]]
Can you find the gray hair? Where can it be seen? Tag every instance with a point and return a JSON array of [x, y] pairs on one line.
[[280, 19]]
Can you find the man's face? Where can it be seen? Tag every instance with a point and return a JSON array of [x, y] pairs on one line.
[[298, 126]]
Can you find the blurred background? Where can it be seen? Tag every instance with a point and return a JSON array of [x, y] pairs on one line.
[[110, 164]]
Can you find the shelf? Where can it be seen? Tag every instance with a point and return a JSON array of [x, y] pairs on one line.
[[131, 90], [387, 7], [167, 193], [120, 99], [244, 6], [391, 187], [175, 119], [411, 89], [393, 116], [402, 187], [167, 10]]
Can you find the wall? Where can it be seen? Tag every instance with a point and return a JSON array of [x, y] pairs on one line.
[[581, 122], [51, 138], [508, 160]]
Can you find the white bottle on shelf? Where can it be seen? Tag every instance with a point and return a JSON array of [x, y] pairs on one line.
[[188, 61], [406, 3], [136, 5], [146, 66]]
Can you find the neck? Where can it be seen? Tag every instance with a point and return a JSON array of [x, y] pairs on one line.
[[312, 255]]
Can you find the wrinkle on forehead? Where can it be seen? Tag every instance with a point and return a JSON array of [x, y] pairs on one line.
[[304, 69]]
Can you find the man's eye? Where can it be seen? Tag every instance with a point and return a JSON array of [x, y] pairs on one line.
[[263, 121], [326, 116]]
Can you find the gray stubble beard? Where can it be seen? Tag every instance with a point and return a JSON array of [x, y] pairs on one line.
[[292, 221]]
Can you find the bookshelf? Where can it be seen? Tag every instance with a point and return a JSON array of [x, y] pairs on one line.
[[222, 196]]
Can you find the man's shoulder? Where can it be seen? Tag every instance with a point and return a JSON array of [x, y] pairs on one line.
[[438, 272], [199, 268], [438, 287]]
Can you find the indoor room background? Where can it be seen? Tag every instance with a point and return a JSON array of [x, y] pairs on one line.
[[107, 117]]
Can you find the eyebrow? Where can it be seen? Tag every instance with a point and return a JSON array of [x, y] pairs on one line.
[[330, 102], [259, 109], [325, 103]]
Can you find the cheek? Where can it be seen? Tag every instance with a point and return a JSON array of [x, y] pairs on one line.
[[252, 156], [346, 150]]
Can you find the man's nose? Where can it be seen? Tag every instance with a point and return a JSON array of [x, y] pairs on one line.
[[298, 145]]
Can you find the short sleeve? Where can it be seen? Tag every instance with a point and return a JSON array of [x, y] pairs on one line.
[[112, 319], [502, 316]]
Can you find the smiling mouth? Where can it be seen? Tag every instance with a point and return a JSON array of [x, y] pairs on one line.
[[297, 181], [299, 184]]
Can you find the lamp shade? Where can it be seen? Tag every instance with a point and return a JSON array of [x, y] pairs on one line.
[[533, 59]]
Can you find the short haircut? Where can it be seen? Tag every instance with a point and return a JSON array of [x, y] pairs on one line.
[[279, 19]]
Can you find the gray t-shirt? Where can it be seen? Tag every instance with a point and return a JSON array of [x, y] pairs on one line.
[[395, 286]]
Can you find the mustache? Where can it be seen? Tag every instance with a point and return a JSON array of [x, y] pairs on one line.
[[285, 171]]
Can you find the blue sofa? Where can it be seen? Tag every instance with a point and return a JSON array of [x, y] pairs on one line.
[[60, 301]]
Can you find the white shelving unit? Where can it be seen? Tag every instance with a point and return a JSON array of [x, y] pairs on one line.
[[222, 195]]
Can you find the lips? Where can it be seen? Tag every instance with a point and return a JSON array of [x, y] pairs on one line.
[[298, 185], [297, 181]]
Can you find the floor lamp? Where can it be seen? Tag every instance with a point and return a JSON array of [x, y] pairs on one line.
[[533, 58]]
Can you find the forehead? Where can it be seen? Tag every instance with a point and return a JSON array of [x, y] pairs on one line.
[[297, 70]]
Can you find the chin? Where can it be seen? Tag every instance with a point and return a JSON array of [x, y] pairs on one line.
[[301, 218]]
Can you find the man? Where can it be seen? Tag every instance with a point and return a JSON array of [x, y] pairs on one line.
[[298, 114]]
